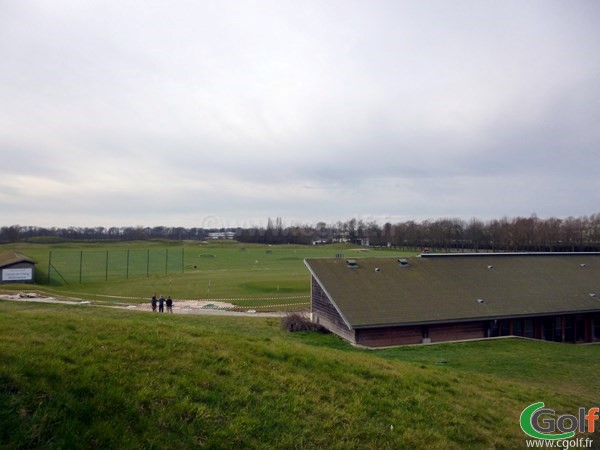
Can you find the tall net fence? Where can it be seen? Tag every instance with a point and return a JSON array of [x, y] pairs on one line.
[[77, 267]]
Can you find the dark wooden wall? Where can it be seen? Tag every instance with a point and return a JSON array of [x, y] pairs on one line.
[[457, 331], [387, 336], [404, 335], [324, 313]]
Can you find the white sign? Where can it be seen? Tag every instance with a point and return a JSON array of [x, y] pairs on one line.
[[17, 274]]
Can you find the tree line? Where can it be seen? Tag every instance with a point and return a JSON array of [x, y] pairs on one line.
[[506, 234]]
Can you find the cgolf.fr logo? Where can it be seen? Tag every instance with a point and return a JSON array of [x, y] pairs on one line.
[[540, 423]]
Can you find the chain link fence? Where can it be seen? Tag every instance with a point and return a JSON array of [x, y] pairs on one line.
[[77, 267]]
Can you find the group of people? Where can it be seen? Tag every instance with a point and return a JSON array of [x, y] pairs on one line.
[[161, 304]]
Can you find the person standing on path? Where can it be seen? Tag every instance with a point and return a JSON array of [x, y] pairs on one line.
[[161, 304], [154, 303], [169, 304]]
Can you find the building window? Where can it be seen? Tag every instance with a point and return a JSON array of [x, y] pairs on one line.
[[504, 326], [529, 331], [552, 329], [558, 329], [493, 330], [518, 327], [569, 329], [596, 329], [548, 329]]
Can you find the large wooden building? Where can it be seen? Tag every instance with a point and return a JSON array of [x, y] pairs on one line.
[[16, 268], [449, 297]]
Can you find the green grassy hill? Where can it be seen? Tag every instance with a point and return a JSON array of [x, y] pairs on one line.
[[90, 377]]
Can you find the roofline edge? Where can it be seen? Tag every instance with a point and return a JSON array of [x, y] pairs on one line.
[[350, 327], [488, 254], [475, 319]]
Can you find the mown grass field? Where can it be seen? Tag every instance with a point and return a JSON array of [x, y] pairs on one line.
[[90, 377], [216, 270]]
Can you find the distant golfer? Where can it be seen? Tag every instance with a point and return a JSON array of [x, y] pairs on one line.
[[154, 303], [169, 304], [161, 304]]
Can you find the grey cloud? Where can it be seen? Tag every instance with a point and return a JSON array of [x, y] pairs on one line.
[[288, 109]]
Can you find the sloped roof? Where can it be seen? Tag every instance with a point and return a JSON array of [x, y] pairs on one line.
[[437, 288], [10, 258]]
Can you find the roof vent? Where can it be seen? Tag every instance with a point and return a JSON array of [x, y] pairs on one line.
[[403, 262], [352, 264]]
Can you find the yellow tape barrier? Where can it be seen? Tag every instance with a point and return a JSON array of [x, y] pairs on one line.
[[48, 291]]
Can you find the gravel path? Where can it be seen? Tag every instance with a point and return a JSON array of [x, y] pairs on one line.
[[197, 307]]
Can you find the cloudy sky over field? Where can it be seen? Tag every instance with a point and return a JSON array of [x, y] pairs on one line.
[[214, 113]]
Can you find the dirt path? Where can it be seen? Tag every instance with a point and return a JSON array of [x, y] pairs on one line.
[[198, 307]]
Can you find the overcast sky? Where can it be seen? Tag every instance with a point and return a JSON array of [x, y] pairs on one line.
[[215, 113]]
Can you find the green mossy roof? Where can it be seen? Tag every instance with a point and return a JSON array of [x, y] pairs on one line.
[[10, 258], [458, 288]]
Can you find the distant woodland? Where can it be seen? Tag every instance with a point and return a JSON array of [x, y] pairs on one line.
[[573, 234]]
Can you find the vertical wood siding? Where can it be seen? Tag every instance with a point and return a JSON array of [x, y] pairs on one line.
[[457, 331], [324, 313], [387, 336]]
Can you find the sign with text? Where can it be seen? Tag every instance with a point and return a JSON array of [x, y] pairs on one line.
[[17, 274]]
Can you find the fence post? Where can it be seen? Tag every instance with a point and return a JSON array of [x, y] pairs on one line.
[[106, 270], [127, 269], [167, 262], [80, 264], [147, 262], [182, 259], [49, 265]]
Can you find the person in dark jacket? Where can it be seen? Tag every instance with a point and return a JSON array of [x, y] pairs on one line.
[[169, 304], [154, 303], [161, 304]]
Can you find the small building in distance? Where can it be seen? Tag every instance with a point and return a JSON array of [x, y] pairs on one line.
[[449, 297], [16, 268], [221, 235]]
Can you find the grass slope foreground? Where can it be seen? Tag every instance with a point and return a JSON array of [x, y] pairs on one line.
[[87, 377]]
